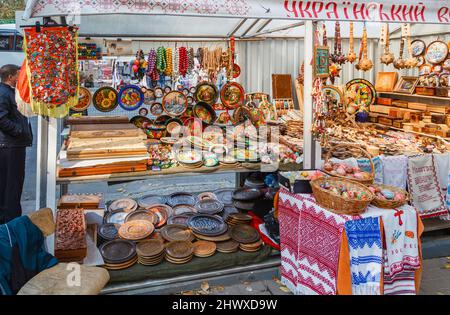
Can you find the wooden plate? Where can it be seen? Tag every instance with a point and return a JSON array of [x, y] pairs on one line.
[[241, 217], [225, 195], [179, 262], [218, 238], [175, 103], [84, 100], [247, 194], [181, 198], [116, 217], [247, 206], [209, 225], [150, 200], [232, 95], [161, 212], [142, 215], [179, 249], [206, 92], [181, 209], [257, 244], [125, 204], [244, 234], [204, 248], [105, 99], [136, 230], [121, 266], [176, 232], [117, 251], [207, 195], [150, 248], [209, 206], [180, 219], [229, 246], [108, 231]]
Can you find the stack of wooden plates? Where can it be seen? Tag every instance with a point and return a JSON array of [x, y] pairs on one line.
[[150, 252], [125, 204], [207, 195], [118, 254], [238, 218], [136, 230], [244, 234], [181, 219], [294, 127], [252, 247], [204, 248], [179, 252], [219, 238], [177, 232], [227, 247]]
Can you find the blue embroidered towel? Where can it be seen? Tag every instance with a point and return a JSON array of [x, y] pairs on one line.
[[365, 249], [364, 165]]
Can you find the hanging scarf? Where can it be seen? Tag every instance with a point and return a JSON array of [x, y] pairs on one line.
[[52, 68], [365, 248], [23, 92]]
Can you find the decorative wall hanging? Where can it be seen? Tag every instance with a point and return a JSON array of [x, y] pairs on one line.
[[320, 113], [152, 72], [388, 57], [139, 65], [161, 62], [351, 56], [437, 52], [365, 64], [175, 103], [105, 99], [400, 62], [169, 65], [337, 56], [360, 92], [418, 47], [52, 65], [131, 97], [412, 61], [385, 81], [84, 100], [183, 65], [232, 95], [149, 95], [206, 92], [321, 62], [406, 85]]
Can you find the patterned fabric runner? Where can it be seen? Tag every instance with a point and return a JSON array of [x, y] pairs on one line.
[[365, 247], [394, 170]]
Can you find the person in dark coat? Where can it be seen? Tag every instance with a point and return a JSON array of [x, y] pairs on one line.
[[15, 136]]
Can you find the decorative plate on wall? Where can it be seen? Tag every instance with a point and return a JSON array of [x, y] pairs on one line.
[[175, 103], [232, 95], [105, 99], [131, 97], [418, 47], [360, 92], [84, 100], [436, 52], [206, 92]]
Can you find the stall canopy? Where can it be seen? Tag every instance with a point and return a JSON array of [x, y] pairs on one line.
[[411, 11]]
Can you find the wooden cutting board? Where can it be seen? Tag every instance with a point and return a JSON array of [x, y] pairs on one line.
[[282, 86], [106, 131], [79, 120], [102, 170]]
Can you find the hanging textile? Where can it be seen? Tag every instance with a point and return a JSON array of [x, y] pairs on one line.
[[23, 92], [52, 68], [364, 165], [395, 170]]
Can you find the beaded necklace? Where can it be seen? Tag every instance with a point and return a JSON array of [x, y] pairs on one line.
[[191, 60], [183, 61], [169, 68], [161, 63], [151, 67]]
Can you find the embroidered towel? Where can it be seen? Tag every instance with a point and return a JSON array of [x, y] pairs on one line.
[[395, 170], [424, 186], [365, 248], [403, 283], [320, 233], [364, 165]]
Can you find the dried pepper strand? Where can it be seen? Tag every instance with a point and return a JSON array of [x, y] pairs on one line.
[[184, 63]]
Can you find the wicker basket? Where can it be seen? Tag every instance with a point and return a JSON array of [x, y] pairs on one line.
[[364, 152], [389, 204], [338, 204]]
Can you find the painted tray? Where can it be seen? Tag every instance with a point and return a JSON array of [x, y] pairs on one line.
[[244, 234], [108, 231], [209, 206], [117, 251], [333, 93], [247, 194], [206, 224], [225, 196], [149, 95], [156, 109], [175, 103], [181, 198], [141, 122], [150, 200], [180, 249], [142, 215], [105, 99], [206, 92], [418, 47], [205, 113], [232, 95], [131, 97], [437, 52], [181, 219], [84, 100], [176, 232], [360, 92], [136, 230]]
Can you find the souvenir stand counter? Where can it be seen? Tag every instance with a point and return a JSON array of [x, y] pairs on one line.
[[172, 104]]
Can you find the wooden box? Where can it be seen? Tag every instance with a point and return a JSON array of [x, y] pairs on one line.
[[397, 124], [379, 109], [385, 121], [438, 109], [417, 106], [384, 101], [417, 128], [443, 91], [70, 235], [398, 103], [415, 117], [428, 91]]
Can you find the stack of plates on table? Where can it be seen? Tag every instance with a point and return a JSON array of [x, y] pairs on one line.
[[244, 198], [247, 236], [115, 217], [108, 232], [190, 158], [177, 232], [150, 200], [238, 218], [204, 249], [181, 198], [209, 206], [225, 196], [228, 160], [142, 215], [182, 209], [227, 210], [227, 247], [162, 213], [180, 219], [179, 252], [150, 252], [254, 183], [136, 230], [125, 204], [207, 226], [118, 254]]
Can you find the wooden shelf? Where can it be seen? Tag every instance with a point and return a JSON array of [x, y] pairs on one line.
[[431, 100]]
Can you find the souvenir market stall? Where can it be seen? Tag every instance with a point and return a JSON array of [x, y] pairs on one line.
[[180, 86]]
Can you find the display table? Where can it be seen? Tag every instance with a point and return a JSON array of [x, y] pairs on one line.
[[326, 253]]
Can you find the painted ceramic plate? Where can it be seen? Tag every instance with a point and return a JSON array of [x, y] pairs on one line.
[[418, 47], [206, 92], [105, 99], [141, 122], [446, 64], [167, 89], [436, 52], [173, 125], [149, 96], [360, 92], [333, 94], [437, 69], [189, 157], [143, 112], [232, 95], [131, 97], [175, 103], [156, 109], [236, 71], [190, 100], [84, 100], [205, 113], [425, 69], [193, 89], [159, 93]]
